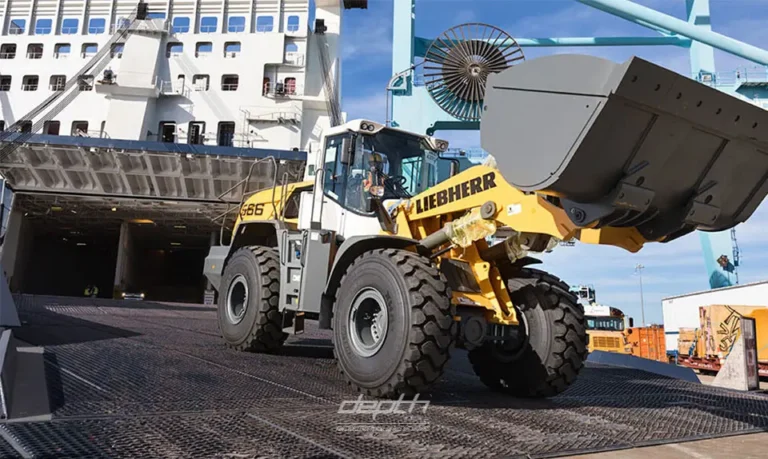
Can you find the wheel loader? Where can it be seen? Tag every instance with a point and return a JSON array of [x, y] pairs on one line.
[[399, 266]]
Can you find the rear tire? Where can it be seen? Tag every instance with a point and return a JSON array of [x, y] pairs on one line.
[[549, 360], [248, 313], [393, 327]]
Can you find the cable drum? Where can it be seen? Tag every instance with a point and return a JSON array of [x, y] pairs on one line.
[[457, 65]]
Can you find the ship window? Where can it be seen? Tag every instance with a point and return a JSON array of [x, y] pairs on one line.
[[290, 85], [5, 83], [200, 82], [80, 128], [117, 50], [43, 26], [180, 25], [29, 83], [196, 132], [17, 26], [89, 48], [168, 131], [35, 51], [231, 48], [291, 48], [229, 82], [69, 26], [203, 48], [236, 24], [208, 24], [156, 15], [293, 23], [61, 50], [25, 126], [85, 83], [226, 134], [51, 127], [8, 51], [264, 23], [174, 49], [96, 25], [57, 82]]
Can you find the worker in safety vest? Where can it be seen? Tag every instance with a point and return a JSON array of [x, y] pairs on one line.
[[91, 291], [376, 174]]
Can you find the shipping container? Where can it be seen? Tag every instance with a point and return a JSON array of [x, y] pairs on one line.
[[683, 311], [647, 342], [688, 342], [721, 324]]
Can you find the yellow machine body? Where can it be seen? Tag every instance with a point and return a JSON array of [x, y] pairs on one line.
[[531, 215]]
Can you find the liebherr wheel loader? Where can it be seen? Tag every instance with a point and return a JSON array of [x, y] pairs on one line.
[[399, 266]]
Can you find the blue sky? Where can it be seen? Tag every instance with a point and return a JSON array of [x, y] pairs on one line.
[[670, 269]]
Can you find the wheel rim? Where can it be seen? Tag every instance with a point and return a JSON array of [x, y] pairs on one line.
[[237, 299], [368, 322]]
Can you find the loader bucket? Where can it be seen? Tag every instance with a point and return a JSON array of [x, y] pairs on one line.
[[630, 144]]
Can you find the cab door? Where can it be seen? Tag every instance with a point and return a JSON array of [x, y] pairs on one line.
[[340, 204]]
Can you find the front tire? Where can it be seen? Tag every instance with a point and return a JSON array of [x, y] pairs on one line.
[[392, 325], [553, 352], [248, 312]]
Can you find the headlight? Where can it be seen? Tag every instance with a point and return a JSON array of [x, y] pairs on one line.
[[142, 295], [123, 294]]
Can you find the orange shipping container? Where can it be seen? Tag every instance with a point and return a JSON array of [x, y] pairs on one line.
[[648, 342]]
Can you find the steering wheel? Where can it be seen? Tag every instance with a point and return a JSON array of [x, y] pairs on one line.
[[396, 184]]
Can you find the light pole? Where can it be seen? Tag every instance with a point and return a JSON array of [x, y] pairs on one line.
[[639, 270]]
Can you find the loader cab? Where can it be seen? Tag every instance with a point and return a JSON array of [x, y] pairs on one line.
[[364, 166]]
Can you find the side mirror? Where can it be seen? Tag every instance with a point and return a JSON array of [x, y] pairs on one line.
[[631, 322], [347, 151]]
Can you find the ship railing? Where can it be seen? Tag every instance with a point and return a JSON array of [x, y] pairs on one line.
[[294, 58], [280, 90]]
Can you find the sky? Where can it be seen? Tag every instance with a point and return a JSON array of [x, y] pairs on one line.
[[670, 269]]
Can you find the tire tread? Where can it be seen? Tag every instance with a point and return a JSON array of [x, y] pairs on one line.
[[432, 331], [266, 334]]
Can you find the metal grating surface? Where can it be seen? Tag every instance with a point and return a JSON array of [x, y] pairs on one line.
[[139, 379]]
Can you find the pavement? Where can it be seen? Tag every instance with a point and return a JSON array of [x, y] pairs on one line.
[[736, 447], [709, 379]]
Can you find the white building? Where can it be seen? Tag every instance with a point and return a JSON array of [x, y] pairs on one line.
[[683, 311], [215, 72]]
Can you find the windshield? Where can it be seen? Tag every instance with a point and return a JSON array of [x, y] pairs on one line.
[[387, 165], [605, 323], [400, 163]]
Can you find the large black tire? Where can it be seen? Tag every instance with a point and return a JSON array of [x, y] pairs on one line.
[[256, 271], [553, 352], [416, 343]]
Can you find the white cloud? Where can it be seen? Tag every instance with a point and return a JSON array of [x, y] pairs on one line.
[[464, 16], [367, 41]]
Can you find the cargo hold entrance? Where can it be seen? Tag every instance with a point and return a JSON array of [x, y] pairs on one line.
[[125, 247]]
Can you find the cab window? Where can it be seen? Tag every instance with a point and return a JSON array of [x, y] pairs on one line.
[[333, 178]]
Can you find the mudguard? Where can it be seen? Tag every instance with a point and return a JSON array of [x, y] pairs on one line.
[[354, 246], [627, 144]]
